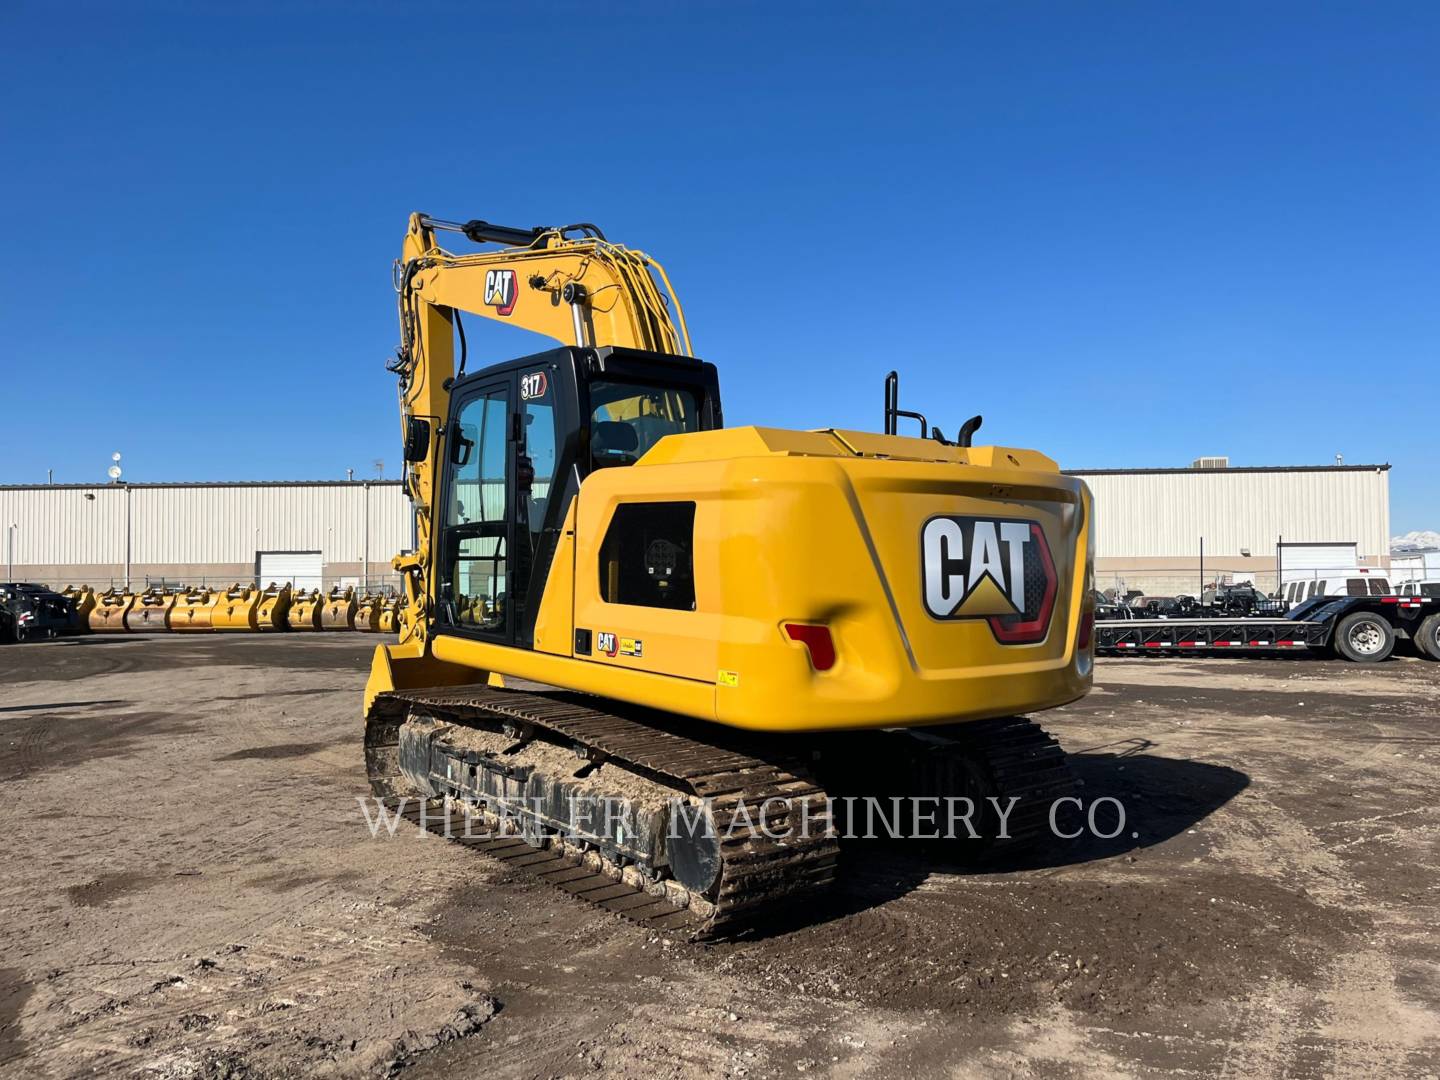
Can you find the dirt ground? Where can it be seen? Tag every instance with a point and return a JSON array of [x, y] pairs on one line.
[[189, 890]]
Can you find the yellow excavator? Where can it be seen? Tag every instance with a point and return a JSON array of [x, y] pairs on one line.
[[615, 601]]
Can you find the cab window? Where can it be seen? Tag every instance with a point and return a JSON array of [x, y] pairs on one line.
[[627, 419], [473, 585]]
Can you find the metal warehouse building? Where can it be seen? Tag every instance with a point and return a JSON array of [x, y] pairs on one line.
[[1159, 530], [1163, 530], [316, 533]]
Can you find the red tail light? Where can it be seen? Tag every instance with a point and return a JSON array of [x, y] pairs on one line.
[[816, 640]]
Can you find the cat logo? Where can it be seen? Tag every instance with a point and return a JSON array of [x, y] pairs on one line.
[[982, 568], [605, 642], [500, 290]]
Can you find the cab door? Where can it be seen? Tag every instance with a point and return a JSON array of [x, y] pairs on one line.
[[474, 579]]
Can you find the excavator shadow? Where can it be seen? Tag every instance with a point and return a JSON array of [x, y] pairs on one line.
[[1132, 799], [1161, 798]]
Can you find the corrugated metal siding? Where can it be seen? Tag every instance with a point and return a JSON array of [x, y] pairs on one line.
[[1165, 514], [204, 524], [1137, 514]]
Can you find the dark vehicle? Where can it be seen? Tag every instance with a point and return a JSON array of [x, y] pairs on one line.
[[1166, 607], [1107, 608], [36, 611], [1241, 599]]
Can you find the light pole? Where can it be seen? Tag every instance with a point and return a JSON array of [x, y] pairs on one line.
[[10, 532]]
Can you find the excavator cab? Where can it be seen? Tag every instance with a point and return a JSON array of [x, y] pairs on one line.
[[521, 438]]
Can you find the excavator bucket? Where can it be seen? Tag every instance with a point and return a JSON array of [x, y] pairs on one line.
[[83, 597], [367, 613], [339, 610], [390, 616], [305, 608], [151, 610], [194, 610], [236, 607], [108, 614], [274, 609]]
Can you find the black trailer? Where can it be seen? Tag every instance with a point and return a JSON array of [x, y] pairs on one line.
[[1359, 628]]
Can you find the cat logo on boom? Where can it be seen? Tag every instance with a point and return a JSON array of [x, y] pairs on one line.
[[500, 290], [996, 570]]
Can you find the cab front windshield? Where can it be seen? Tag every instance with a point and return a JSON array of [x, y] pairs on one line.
[[627, 419]]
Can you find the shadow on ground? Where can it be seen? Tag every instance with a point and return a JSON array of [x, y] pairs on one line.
[[1159, 797]]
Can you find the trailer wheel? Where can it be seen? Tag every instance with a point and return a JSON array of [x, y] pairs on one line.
[[1427, 637], [1364, 638]]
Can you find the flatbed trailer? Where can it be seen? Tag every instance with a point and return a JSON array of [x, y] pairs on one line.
[[1363, 629]]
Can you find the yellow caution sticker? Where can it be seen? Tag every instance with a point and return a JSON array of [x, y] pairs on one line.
[[727, 678]]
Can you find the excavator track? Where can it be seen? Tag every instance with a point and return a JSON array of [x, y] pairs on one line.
[[757, 871], [792, 859]]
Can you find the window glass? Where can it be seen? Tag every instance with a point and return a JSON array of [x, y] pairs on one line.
[[646, 558], [1314, 587], [538, 417], [1379, 587], [475, 523], [1430, 588], [627, 419], [1355, 586]]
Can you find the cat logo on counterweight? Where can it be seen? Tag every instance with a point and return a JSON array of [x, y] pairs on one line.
[[996, 570]]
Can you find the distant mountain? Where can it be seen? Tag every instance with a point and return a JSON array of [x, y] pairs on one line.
[[1415, 541]]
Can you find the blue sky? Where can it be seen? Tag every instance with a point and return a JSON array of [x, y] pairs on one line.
[[1129, 234]]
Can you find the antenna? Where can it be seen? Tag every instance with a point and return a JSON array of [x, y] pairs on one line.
[[114, 471]]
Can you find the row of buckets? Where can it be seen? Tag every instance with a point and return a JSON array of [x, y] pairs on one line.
[[244, 608]]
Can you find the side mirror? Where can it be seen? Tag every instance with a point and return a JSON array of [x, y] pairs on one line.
[[417, 439]]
